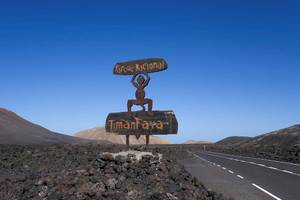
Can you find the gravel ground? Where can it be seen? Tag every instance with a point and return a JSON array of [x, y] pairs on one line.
[[96, 172]]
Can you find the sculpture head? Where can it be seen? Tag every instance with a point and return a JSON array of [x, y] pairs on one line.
[[140, 80]]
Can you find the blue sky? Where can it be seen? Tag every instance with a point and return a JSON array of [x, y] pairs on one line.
[[233, 65]]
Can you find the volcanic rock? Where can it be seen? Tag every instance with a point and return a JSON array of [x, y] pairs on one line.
[[95, 172]]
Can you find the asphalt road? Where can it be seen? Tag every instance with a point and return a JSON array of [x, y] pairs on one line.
[[246, 178]]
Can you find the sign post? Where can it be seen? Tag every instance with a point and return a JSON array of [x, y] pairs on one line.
[[145, 121]]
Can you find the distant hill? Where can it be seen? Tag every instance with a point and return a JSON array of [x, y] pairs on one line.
[[283, 144], [16, 130], [196, 142], [233, 140], [99, 133], [282, 138], [286, 137]]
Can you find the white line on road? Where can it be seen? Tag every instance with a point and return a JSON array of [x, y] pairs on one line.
[[257, 164], [265, 191], [261, 165], [286, 171], [256, 158], [273, 168], [198, 157], [240, 176]]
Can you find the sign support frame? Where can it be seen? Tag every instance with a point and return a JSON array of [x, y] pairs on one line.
[[143, 122]]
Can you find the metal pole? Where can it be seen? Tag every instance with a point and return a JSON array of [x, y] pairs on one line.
[[147, 140], [127, 140]]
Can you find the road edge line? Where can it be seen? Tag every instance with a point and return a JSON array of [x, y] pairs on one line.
[[265, 191]]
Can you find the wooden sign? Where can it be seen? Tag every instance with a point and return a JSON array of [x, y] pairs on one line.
[[144, 122], [137, 66], [141, 123]]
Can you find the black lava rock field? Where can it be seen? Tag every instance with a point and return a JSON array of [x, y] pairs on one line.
[[96, 172]]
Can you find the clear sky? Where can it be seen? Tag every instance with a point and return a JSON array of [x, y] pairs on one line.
[[234, 66]]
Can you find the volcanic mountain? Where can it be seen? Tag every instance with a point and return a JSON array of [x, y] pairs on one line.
[[233, 140], [283, 144], [16, 130], [99, 133], [286, 137]]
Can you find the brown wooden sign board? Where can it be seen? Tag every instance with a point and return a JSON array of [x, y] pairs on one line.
[[149, 65], [141, 123]]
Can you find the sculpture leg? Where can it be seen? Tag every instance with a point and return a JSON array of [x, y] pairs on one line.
[[129, 106], [150, 104]]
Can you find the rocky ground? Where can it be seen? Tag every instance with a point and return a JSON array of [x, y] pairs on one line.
[[96, 172]]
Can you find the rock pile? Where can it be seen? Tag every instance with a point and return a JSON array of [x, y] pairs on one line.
[[83, 172]]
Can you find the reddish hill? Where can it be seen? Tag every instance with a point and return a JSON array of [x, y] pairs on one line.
[[16, 130]]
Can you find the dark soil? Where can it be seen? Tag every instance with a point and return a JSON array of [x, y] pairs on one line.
[[84, 172]]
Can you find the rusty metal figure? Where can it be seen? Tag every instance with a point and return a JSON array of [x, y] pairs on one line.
[[140, 81]]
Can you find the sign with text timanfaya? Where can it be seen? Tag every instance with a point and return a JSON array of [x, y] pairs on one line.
[[141, 123]]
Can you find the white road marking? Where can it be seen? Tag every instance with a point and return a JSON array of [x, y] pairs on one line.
[[273, 168], [240, 176], [256, 158], [198, 157], [286, 171], [217, 165], [258, 164], [265, 191], [261, 165]]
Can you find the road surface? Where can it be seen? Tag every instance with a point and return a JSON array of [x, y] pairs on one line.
[[246, 178]]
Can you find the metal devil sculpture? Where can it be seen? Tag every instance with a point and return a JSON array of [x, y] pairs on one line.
[[143, 122]]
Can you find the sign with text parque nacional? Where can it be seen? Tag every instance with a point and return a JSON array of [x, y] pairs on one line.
[[149, 65]]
